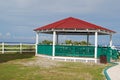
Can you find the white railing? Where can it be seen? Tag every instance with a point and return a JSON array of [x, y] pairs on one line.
[[19, 47]]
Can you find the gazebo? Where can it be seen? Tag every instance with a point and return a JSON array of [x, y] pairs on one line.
[[74, 26]]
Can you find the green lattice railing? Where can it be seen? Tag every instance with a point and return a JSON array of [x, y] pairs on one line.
[[77, 51], [74, 51], [45, 49]]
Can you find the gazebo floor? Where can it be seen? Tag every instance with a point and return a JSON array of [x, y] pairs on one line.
[[71, 59]]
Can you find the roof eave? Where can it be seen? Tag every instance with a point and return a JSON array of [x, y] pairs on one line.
[[75, 31]]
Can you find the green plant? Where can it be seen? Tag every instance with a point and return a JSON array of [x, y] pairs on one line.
[[46, 42]]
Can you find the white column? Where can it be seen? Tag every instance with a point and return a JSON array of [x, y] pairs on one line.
[[96, 45], [110, 40], [54, 41], [87, 39], [110, 44], [36, 44], [56, 38]]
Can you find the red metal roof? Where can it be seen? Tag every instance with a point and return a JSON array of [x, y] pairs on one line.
[[72, 23]]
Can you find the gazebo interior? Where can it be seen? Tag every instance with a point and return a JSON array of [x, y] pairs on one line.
[[74, 26]]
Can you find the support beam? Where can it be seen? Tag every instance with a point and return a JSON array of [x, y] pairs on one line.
[[54, 41], [56, 38], [87, 39], [37, 41], [96, 45], [110, 44], [110, 40]]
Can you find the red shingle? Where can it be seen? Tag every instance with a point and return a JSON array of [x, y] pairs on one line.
[[72, 23]]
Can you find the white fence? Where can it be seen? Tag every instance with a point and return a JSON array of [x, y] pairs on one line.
[[19, 47]]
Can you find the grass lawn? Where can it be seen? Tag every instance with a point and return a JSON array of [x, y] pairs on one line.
[[27, 67]]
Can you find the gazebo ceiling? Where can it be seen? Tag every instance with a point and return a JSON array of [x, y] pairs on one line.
[[72, 26], [75, 32]]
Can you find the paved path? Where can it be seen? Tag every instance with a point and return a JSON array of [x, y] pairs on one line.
[[114, 72]]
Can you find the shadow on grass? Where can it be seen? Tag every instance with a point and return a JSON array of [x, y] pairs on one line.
[[13, 56]]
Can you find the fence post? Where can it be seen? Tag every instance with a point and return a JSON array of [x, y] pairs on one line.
[[3, 48], [20, 48]]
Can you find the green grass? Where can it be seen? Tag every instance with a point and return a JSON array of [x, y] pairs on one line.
[[14, 56], [11, 69]]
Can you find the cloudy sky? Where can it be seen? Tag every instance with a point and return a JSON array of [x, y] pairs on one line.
[[18, 18]]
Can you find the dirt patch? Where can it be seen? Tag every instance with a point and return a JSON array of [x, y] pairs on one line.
[[41, 62]]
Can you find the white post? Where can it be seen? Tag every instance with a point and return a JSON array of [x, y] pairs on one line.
[[56, 38], [54, 41], [110, 40], [3, 46], [20, 48], [36, 44], [110, 44], [96, 45], [87, 39]]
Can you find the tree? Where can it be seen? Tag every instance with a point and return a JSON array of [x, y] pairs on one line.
[[48, 42], [83, 42], [68, 42], [76, 43]]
